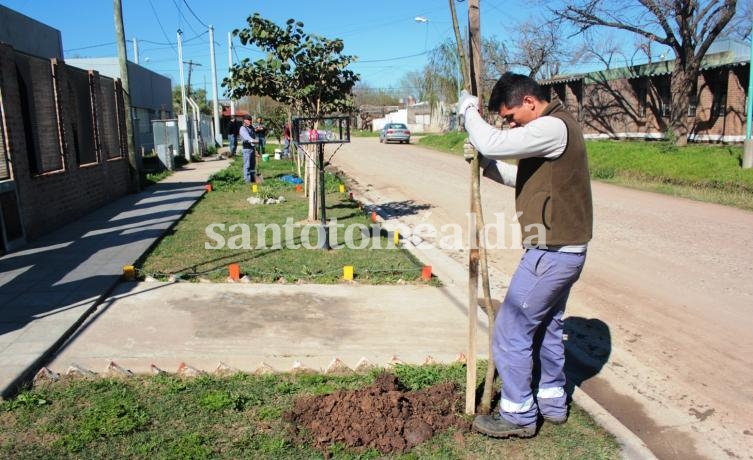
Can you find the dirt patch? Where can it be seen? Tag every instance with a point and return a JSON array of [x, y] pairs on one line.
[[384, 416]]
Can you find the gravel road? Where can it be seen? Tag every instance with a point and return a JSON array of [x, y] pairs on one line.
[[664, 307]]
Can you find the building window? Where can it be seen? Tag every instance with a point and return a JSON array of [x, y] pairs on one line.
[[719, 102], [693, 101], [663, 87], [577, 90], [559, 91], [83, 137], [640, 94]]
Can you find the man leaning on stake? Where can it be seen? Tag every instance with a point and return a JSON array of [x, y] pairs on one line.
[[553, 197]]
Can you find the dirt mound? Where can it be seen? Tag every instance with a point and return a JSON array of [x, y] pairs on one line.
[[384, 416]]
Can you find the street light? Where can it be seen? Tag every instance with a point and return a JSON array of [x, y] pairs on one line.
[[422, 19]]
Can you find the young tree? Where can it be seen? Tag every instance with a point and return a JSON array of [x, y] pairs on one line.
[[303, 71], [688, 27], [306, 72]]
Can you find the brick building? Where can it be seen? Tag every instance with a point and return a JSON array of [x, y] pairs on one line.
[[62, 134], [151, 95], [634, 102]]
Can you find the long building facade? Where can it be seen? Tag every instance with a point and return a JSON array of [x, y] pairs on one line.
[[63, 146], [634, 102]]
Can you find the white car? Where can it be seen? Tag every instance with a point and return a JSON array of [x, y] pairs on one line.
[[394, 132]]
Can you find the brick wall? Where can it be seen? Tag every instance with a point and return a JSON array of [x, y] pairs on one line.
[[611, 108], [76, 162]]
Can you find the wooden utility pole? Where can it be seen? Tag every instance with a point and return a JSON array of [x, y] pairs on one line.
[[133, 159], [191, 65]]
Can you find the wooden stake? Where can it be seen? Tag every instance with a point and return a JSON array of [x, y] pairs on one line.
[[471, 71]]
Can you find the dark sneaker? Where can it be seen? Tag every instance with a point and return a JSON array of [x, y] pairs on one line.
[[497, 427], [555, 420]]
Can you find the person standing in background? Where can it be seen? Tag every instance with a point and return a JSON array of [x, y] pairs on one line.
[[233, 130], [261, 135], [249, 158], [286, 140]]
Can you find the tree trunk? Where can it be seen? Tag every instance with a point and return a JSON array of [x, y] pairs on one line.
[[682, 84], [311, 177]]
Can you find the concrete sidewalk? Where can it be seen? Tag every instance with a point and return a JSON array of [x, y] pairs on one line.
[[277, 326], [52, 284]]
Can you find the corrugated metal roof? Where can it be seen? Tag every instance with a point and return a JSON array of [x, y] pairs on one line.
[[727, 53]]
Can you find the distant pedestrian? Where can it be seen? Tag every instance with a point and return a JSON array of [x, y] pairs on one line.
[[233, 130], [286, 140], [261, 135], [249, 157]]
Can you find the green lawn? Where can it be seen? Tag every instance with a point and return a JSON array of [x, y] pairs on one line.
[[183, 250], [704, 172], [240, 416]]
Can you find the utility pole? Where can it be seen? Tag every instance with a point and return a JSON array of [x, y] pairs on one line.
[[230, 66], [184, 125], [135, 50], [191, 65], [748, 143], [215, 97], [134, 160]]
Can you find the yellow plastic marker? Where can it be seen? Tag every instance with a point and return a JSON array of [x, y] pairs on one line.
[[129, 272], [348, 272], [342, 188], [254, 188], [396, 237]]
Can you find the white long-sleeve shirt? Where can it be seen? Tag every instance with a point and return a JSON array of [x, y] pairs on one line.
[[543, 137]]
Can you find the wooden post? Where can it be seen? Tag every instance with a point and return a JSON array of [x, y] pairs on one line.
[[133, 159], [472, 82]]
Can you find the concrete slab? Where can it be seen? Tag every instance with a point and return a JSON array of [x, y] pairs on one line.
[[49, 286], [243, 325]]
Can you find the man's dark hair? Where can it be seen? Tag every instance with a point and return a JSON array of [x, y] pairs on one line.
[[510, 90]]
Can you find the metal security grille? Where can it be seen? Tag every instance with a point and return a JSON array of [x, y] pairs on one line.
[[4, 165], [83, 135], [109, 119]]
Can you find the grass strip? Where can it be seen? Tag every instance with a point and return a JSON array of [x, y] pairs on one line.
[[703, 172], [255, 236], [240, 416]]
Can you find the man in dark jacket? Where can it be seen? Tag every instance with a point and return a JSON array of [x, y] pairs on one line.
[[233, 130]]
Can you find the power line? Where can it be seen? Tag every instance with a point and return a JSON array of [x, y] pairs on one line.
[[156, 16], [180, 16], [89, 47], [393, 59], [194, 14]]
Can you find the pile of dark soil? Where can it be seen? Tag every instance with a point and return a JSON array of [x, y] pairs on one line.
[[384, 416]]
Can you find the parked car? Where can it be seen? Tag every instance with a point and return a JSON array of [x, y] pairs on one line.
[[394, 132]]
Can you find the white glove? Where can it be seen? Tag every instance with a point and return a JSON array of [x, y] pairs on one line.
[[465, 102]]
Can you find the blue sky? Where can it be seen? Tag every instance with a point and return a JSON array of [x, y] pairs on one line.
[[384, 35]]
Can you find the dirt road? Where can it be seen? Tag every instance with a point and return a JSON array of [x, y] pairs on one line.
[[666, 297]]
